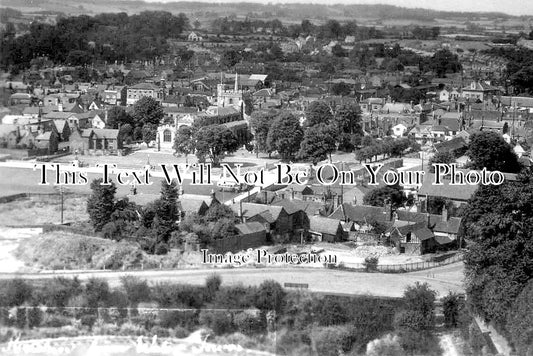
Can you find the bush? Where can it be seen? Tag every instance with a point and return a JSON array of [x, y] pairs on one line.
[[371, 263], [15, 292], [218, 321], [97, 292], [58, 291], [179, 332], [88, 320], [212, 285], [21, 318], [55, 321], [130, 329], [137, 290], [332, 340], [270, 296], [35, 317], [389, 345], [450, 305], [248, 323], [420, 343], [159, 331]]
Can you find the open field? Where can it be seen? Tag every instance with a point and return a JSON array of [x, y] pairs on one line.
[[319, 280], [43, 210]]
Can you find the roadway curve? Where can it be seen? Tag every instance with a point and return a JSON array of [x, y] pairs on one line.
[[441, 279]]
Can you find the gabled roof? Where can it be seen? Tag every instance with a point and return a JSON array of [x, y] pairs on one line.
[[269, 212], [453, 192], [451, 145], [360, 213], [144, 86], [250, 228], [324, 225]]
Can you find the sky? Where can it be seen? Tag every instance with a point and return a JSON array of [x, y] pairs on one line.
[[513, 7]]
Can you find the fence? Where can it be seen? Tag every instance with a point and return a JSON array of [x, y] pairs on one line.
[[405, 267]]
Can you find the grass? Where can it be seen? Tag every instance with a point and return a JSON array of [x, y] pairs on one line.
[[43, 210]]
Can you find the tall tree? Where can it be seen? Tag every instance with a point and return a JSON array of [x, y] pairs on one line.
[[101, 203], [318, 143], [499, 262], [260, 123], [183, 142], [440, 157], [147, 110], [285, 136], [318, 112], [117, 116], [489, 150], [213, 141]]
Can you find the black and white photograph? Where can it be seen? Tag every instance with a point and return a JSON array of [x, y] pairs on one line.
[[266, 178]]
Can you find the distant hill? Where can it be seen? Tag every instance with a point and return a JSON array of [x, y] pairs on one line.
[[241, 9]]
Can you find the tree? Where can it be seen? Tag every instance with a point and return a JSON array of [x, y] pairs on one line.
[[15, 292], [489, 150], [212, 285], [418, 311], [285, 136], [520, 321], [214, 141], [444, 61], [149, 132], [230, 58], [97, 293], [499, 261], [450, 307], [318, 112], [101, 203], [183, 142], [260, 123], [270, 296], [440, 157], [348, 120], [338, 51], [147, 110], [117, 117], [341, 88], [166, 212], [318, 143], [137, 290], [390, 194]]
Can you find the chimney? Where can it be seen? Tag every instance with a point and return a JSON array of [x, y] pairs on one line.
[[388, 210], [265, 196], [444, 214], [428, 220], [60, 107], [213, 195], [240, 211], [292, 193]]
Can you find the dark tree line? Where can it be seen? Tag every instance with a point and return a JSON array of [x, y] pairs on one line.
[[83, 39]]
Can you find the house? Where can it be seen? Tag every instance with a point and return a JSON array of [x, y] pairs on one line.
[[399, 130], [275, 219], [20, 99], [458, 194], [95, 141], [48, 141], [363, 216], [196, 204], [135, 92], [116, 95], [479, 91], [325, 229], [412, 238], [194, 37], [63, 130], [249, 235], [457, 146]]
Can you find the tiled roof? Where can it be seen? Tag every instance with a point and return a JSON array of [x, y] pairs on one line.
[[249, 228], [324, 225]]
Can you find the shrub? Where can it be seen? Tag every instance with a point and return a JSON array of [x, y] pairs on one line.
[[389, 345], [35, 317], [130, 329], [270, 296], [371, 263], [55, 321], [97, 292], [179, 332], [14, 292], [159, 331], [420, 343], [450, 305], [88, 320], [187, 319], [248, 323], [218, 321], [212, 285], [59, 290], [137, 290], [21, 318], [332, 340]]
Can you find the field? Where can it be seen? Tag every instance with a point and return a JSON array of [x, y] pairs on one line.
[[44, 209]]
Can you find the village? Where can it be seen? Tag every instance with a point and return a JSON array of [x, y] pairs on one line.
[[201, 144]]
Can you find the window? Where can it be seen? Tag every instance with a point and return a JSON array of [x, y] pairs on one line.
[[167, 136]]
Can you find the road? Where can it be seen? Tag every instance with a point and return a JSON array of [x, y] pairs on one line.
[[442, 279]]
